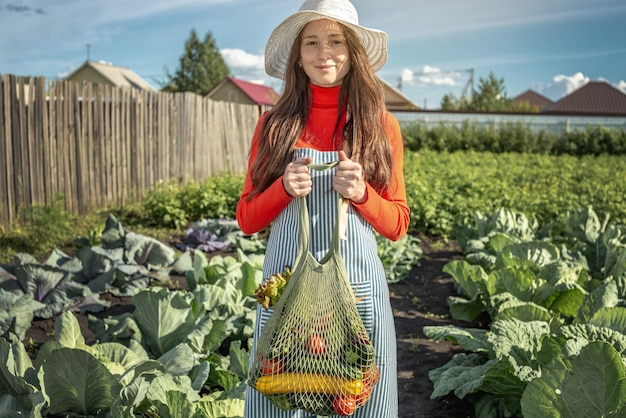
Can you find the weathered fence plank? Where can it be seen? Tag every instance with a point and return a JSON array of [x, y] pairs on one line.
[[6, 175]]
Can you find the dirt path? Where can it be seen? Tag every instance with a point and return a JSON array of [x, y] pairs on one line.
[[418, 301]]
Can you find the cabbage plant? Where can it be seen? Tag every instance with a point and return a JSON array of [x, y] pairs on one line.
[[556, 297]]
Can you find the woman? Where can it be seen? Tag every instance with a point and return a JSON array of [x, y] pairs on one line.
[[332, 108]]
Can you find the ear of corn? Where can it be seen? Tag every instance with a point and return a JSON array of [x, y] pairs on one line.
[[307, 383]]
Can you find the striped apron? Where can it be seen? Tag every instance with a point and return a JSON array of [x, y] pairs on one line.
[[367, 278]]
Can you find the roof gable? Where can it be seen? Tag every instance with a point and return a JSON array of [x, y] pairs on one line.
[[594, 98], [258, 93], [395, 100], [115, 75], [533, 98]]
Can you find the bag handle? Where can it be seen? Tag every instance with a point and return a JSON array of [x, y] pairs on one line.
[[340, 225]]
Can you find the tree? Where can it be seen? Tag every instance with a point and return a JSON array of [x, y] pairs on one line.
[[449, 102], [523, 107], [491, 95], [202, 67]]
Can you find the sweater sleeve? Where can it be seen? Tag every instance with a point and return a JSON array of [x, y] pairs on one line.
[[254, 215], [388, 212]]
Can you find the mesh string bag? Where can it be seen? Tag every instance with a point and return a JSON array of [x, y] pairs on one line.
[[314, 353]]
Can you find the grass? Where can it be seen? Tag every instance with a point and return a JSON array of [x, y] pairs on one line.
[[42, 229]]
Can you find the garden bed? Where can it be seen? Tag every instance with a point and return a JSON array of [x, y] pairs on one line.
[[417, 301]]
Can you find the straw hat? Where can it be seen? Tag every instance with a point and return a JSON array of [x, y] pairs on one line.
[[282, 38]]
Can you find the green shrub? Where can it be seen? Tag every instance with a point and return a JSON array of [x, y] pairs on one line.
[[175, 204], [162, 206], [513, 137]]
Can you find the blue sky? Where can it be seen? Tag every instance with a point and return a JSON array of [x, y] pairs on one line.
[[550, 46]]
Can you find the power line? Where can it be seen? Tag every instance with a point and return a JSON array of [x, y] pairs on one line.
[[469, 85]]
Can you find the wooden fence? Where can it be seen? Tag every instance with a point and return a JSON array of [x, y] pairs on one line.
[[108, 147]]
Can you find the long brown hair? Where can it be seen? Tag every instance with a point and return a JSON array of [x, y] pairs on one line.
[[364, 136]]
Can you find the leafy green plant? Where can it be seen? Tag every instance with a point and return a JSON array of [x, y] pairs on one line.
[[210, 235], [17, 313], [447, 189], [554, 319], [591, 383], [175, 204], [111, 379], [398, 257], [214, 198], [19, 388], [517, 359], [161, 206], [50, 285]]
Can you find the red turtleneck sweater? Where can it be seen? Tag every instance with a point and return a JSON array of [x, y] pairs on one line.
[[387, 212]]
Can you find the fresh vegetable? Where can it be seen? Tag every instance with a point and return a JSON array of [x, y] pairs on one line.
[[282, 401], [359, 352], [344, 405], [316, 365], [365, 394], [316, 344], [319, 404], [307, 383], [351, 356], [371, 376], [271, 366], [271, 289]]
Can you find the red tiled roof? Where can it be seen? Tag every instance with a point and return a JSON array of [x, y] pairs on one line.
[[594, 98], [260, 94], [533, 98]]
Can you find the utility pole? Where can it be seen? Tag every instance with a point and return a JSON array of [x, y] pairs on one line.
[[88, 45], [470, 84]]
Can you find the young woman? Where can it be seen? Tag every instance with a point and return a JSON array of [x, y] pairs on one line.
[[332, 108]]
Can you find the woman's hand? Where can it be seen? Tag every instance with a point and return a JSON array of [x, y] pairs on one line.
[[349, 179], [297, 177]]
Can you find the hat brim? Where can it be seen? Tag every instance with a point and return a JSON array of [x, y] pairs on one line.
[[281, 41]]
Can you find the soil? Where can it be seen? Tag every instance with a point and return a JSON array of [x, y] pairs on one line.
[[418, 301]]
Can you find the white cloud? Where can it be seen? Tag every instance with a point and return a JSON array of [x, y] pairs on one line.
[[245, 65], [562, 85], [621, 85], [238, 58], [430, 76]]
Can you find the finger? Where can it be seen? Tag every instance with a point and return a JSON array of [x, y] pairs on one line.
[[303, 161], [342, 156]]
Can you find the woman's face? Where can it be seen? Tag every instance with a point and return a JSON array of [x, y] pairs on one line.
[[324, 54]]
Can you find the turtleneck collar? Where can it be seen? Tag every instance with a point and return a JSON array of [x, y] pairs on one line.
[[324, 96]]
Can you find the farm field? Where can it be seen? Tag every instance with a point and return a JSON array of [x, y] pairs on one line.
[[574, 254], [417, 301]]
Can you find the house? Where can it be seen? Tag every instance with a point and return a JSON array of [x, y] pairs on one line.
[[597, 98], [108, 74], [533, 100], [232, 89], [395, 100]]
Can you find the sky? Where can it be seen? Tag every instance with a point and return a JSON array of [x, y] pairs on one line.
[[435, 47]]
